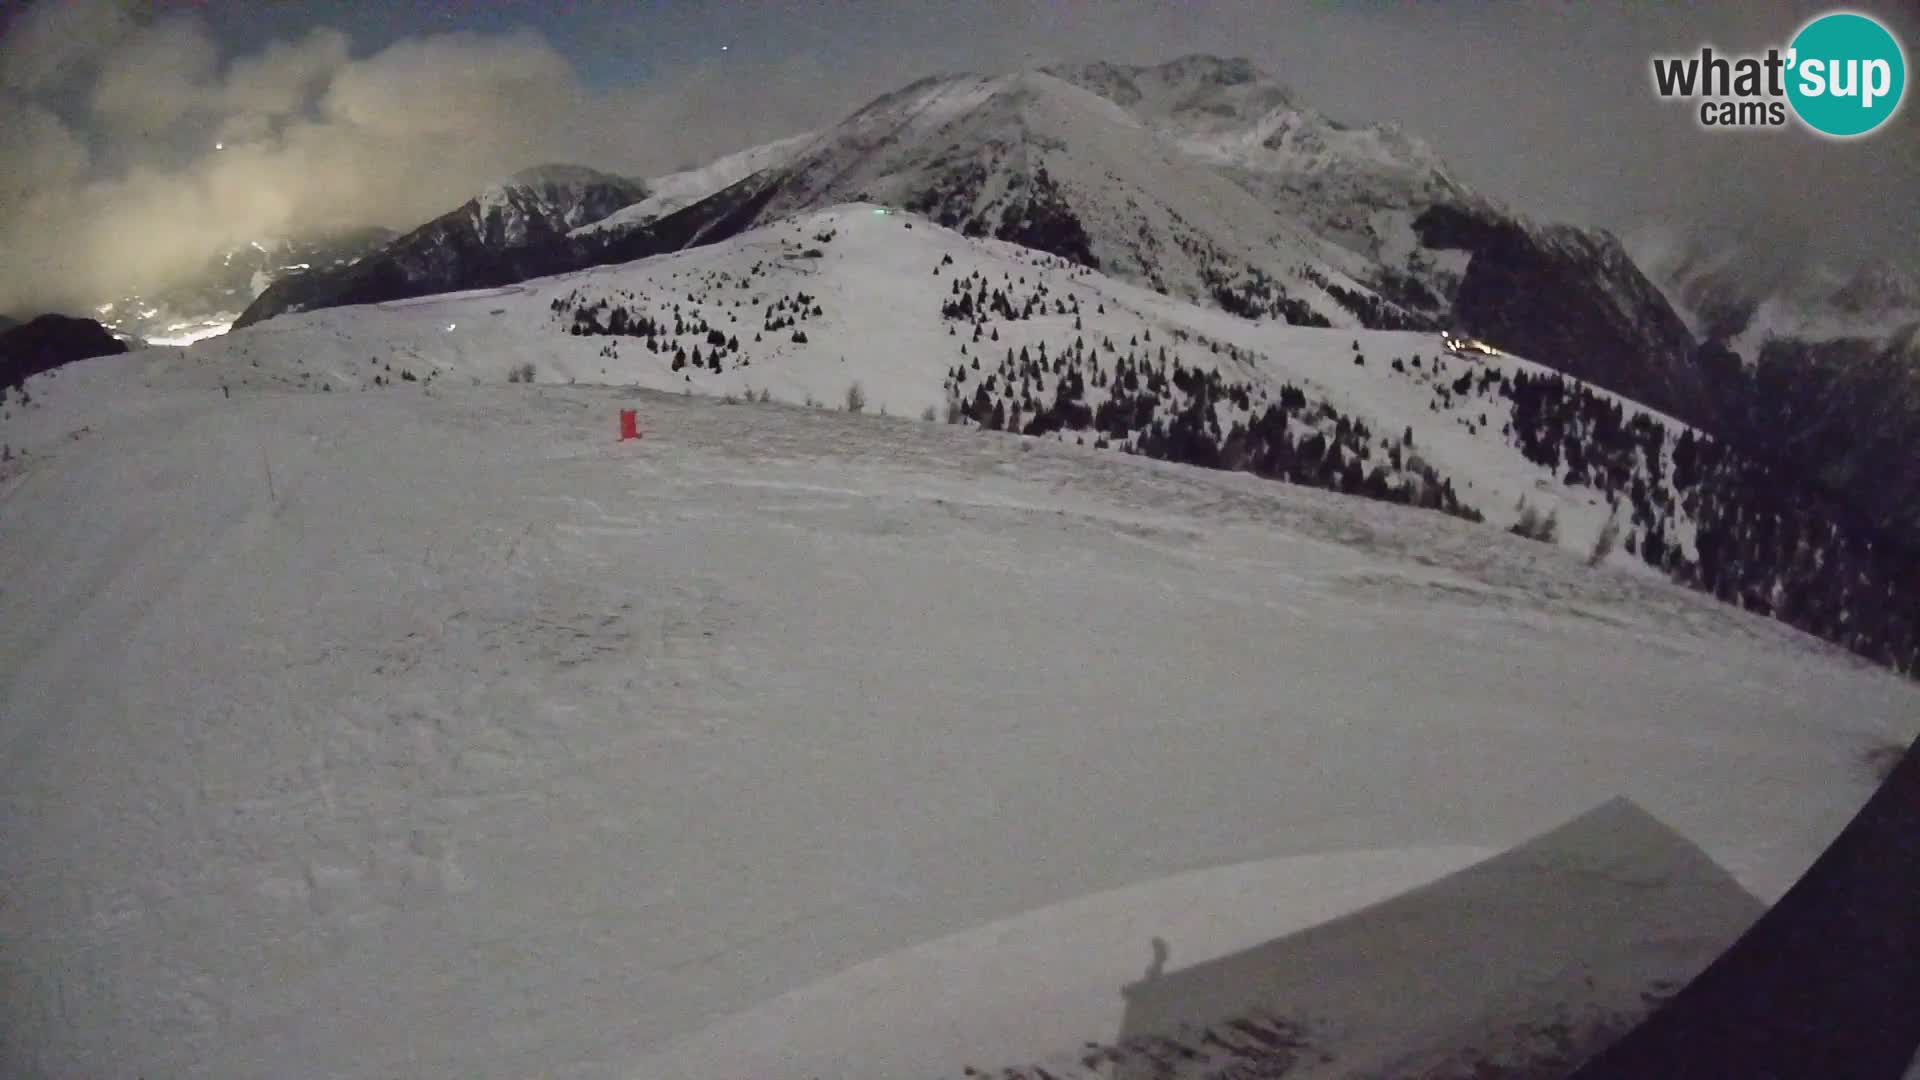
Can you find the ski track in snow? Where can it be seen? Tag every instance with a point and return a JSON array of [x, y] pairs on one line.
[[488, 746]]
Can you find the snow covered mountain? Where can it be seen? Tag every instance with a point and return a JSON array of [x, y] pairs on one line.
[[1199, 178], [676, 191], [513, 230], [1202, 179], [1433, 245], [1036, 160], [324, 685], [547, 200], [1361, 187]]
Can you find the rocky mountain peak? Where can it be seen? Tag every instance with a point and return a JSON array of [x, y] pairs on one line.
[[553, 198]]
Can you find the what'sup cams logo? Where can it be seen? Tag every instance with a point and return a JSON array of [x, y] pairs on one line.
[[1842, 76]]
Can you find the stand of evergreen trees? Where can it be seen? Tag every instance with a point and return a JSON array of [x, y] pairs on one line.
[[1155, 405], [1765, 538]]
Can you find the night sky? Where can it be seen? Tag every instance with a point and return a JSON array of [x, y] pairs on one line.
[[348, 113]]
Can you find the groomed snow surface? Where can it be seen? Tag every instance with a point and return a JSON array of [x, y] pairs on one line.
[[476, 744]]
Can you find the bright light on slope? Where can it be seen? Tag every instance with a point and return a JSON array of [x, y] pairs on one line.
[[181, 334]]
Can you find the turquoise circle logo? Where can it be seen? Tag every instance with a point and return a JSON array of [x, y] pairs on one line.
[[1846, 74]]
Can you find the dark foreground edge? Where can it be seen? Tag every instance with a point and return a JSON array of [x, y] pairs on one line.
[[1825, 985]]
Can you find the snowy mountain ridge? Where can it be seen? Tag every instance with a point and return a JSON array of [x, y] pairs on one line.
[[675, 191], [1202, 179], [547, 200], [1235, 117], [1037, 160]]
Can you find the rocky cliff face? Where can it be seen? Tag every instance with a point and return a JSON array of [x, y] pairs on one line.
[[1571, 298]]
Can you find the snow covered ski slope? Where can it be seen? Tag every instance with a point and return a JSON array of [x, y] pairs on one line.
[[432, 732]]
